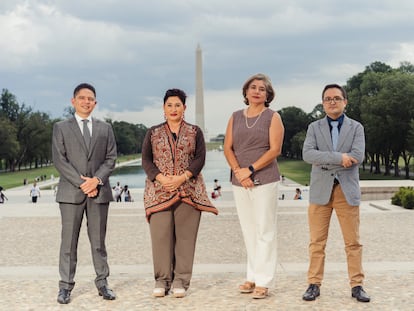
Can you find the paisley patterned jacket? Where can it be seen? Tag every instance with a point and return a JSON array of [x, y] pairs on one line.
[[163, 153]]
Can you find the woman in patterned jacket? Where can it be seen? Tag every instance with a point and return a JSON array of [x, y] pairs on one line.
[[173, 154]]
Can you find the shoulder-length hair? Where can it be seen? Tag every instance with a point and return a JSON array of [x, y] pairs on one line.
[[270, 92]]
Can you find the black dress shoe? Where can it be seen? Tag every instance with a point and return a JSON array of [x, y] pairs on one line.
[[360, 295], [311, 293], [63, 296], [106, 293]]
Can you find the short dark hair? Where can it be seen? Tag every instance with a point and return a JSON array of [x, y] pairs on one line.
[[335, 86], [84, 86], [270, 92], [175, 92]]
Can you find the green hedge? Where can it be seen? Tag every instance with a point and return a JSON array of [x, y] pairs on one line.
[[404, 197]]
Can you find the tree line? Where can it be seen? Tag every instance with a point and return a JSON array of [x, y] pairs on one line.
[[380, 97]]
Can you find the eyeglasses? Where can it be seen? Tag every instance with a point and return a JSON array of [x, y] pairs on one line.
[[336, 100]]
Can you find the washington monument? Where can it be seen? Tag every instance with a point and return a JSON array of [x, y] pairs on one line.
[[199, 95]]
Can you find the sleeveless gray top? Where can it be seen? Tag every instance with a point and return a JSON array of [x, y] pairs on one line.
[[249, 144]]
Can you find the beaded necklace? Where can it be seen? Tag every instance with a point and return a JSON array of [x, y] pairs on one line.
[[254, 123]]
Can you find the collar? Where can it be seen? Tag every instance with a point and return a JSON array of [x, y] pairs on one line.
[[340, 120], [79, 119]]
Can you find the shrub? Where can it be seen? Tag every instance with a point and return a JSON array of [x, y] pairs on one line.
[[408, 200], [404, 197], [397, 197]]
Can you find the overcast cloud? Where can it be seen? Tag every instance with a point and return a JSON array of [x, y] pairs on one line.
[[133, 50]]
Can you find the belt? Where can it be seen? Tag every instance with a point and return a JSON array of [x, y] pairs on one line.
[[336, 181]]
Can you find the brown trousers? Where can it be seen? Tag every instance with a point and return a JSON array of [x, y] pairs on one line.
[[319, 217], [173, 237]]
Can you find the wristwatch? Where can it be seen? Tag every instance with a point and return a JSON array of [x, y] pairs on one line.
[[251, 168]]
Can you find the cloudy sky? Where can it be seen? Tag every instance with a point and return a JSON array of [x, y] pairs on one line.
[[133, 50]]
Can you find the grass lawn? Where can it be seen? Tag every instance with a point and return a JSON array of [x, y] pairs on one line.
[[14, 179], [299, 171], [296, 170]]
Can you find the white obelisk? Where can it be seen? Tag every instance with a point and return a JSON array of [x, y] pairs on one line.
[[199, 93]]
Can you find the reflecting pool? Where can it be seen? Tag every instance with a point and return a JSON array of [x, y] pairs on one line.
[[134, 176]]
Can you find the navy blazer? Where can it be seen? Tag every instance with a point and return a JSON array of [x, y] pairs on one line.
[[326, 163]]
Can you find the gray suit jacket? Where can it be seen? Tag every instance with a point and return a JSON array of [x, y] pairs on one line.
[[326, 163], [72, 159]]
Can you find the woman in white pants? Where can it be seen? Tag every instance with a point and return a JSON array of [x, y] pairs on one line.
[[253, 141]]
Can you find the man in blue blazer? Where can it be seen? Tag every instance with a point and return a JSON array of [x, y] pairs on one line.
[[84, 153], [334, 185]]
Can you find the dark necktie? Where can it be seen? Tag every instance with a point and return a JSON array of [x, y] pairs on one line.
[[335, 134], [86, 133]]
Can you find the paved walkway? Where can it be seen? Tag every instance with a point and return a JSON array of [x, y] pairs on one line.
[[30, 237]]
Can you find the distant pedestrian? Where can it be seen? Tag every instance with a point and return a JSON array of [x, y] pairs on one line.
[[216, 190], [127, 194], [2, 195], [298, 194], [117, 192], [35, 192]]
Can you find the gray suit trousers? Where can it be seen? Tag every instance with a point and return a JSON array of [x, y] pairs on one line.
[[72, 215]]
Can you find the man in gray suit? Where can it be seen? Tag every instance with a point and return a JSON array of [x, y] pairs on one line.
[[84, 153], [335, 146]]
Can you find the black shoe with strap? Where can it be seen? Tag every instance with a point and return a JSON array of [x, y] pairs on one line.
[[311, 293]]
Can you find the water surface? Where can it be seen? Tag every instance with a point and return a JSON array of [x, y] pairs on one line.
[[216, 167]]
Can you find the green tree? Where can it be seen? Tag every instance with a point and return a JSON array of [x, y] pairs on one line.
[[294, 120], [9, 108], [8, 139], [362, 89], [68, 112], [297, 144], [317, 113], [406, 67], [37, 138], [355, 91], [410, 139], [129, 137], [387, 110], [372, 119], [396, 94]]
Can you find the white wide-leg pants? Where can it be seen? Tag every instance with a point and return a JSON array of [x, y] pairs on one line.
[[257, 211]]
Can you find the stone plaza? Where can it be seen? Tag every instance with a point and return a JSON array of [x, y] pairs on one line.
[[30, 250]]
